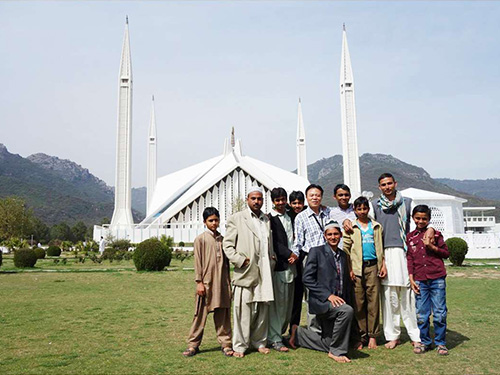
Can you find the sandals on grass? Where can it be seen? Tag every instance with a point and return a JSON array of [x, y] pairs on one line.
[[442, 350], [421, 348], [189, 352]]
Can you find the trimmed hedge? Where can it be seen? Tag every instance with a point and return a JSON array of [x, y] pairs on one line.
[[152, 255], [24, 258], [40, 253], [458, 249], [53, 251]]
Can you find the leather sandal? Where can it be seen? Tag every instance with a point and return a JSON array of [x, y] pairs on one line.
[[189, 352]]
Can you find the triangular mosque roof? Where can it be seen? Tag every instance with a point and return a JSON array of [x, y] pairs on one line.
[[177, 190]]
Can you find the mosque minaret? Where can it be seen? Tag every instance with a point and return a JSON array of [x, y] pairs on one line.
[[301, 145], [122, 215], [348, 113], [151, 167]]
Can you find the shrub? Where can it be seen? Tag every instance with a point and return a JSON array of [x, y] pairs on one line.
[[25, 258], [53, 251], [122, 245], [152, 255], [40, 253], [458, 249], [182, 244], [1, 257]]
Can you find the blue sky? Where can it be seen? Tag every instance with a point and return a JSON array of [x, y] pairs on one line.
[[427, 80]]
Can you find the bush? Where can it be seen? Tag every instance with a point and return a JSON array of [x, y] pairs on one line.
[[25, 258], [1, 257], [122, 245], [182, 244], [458, 249], [152, 255], [40, 253], [54, 251]]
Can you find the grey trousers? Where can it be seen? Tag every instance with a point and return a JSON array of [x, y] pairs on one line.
[[250, 321], [280, 310], [335, 331]]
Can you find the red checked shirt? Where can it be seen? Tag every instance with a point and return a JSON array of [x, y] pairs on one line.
[[423, 263]]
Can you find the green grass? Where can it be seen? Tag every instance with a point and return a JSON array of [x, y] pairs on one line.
[[129, 323]]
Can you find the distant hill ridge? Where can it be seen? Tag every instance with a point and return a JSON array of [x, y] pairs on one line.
[[56, 189], [328, 172], [61, 190]]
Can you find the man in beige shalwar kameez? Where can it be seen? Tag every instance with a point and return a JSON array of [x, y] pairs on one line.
[[213, 290], [248, 245]]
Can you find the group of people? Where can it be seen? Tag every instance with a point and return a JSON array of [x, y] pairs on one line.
[[341, 259]]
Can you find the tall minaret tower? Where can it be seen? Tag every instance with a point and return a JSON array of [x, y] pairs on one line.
[[122, 216], [348, 113], [151, 168], [301, 145]]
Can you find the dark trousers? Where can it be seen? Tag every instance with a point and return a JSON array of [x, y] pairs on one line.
[[335, 331], [297, 297]]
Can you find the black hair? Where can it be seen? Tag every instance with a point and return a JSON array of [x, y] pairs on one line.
[[422, 208], [297, 195], [361, 201], [314, 186], [341, 186], [278, 193], [209, 211], [386, 175]]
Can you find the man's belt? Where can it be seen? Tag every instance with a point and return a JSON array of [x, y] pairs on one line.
[[369, 263]]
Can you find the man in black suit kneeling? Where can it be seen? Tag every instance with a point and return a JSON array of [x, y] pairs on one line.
[[326, 275]]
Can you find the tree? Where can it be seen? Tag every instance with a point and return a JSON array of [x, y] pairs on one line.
[[79, 231], [40, 231], [61, 231], [15, 218]]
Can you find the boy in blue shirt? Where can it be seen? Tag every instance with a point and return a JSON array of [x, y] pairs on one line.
[[365, 248]]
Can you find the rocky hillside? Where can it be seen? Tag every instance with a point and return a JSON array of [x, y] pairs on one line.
[[57, 190], [329, 172]]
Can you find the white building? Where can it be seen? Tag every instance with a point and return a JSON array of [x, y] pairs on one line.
[[222, 182], [446, 210]]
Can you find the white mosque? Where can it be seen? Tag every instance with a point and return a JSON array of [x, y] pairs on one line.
[[175, 202]]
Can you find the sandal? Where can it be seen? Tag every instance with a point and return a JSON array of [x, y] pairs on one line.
[[238, 355], [279, 347], [189, 352], [228, 351], [442, 350], [420, 349]]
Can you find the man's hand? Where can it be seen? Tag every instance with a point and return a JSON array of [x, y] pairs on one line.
[[245, 263], [414, 287], [429, 236], [200, 288], [429, 243], [352, 276], [293, 258], [347, 224], [336, 301], [383, 271]]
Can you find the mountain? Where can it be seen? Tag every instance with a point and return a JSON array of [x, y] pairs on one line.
[[60, 190], [488, 189], [57, 190], [329, 172]]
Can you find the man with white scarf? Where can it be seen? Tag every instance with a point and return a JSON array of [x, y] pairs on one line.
[[249, 247], [393, 211]]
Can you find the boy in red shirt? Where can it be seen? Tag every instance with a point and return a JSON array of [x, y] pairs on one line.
[[427, 278]]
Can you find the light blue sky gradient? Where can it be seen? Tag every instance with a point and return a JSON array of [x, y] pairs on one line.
[[427, 81]]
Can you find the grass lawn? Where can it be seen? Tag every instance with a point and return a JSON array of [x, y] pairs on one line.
[[57, 320]]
